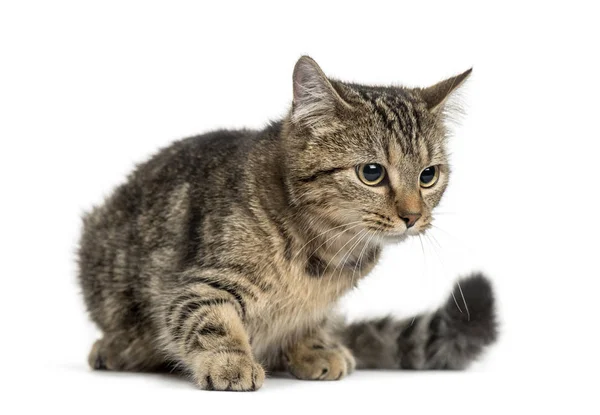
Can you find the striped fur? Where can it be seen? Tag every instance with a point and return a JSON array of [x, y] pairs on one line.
[[224, 254], [449, 338]]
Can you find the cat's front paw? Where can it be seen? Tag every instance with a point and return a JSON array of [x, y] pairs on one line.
[[229, 371], [319, 362]]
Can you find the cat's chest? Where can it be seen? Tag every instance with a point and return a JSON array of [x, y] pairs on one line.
[[301, 294], [280, 323], [288, 313]]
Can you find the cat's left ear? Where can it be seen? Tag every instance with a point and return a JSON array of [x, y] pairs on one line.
[[437, 95]]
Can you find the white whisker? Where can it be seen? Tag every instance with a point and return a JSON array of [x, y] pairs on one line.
[[359, 261], [323, 233], [464, 301]]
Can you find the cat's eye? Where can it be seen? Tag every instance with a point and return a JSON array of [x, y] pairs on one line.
[[370, 174], [429, 176]]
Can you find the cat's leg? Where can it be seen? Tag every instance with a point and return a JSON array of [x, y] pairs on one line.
[[319, 356], [126, 351], [203, 326]]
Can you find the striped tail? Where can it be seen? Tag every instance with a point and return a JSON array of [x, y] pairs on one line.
[[450, 338]]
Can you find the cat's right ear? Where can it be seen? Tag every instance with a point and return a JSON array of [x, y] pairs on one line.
[[315, 98]]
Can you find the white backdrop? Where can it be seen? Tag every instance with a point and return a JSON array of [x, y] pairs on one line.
[[87, 90]]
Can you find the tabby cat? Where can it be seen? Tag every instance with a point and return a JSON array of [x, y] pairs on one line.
[[225, 254]]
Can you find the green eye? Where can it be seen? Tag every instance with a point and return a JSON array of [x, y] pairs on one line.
[[429, 176], [370, 174]]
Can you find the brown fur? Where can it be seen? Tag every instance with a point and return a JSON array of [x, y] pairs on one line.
[[225, 254]]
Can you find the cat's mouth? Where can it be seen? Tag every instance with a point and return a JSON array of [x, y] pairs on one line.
[[396, 227], [400, 233]]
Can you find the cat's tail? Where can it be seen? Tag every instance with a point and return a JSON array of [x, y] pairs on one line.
[[449, 338]]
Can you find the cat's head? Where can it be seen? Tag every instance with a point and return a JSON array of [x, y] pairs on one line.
[[370, 157]]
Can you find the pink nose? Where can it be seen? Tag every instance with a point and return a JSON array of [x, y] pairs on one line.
[[410, 219]]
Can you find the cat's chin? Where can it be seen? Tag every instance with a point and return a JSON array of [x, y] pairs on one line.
[[394, 238], [397, 237]]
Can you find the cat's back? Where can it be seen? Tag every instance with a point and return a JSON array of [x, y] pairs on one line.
[[154, 210], [197, 157]]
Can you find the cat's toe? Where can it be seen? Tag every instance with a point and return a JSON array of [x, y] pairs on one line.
[[321, 364], [229, 372]]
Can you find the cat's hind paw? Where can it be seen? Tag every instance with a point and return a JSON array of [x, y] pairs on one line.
[[320, 362]]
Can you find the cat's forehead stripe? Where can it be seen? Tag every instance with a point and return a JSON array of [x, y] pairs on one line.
[[398, 114]]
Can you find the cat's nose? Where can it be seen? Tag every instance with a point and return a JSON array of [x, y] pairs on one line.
[[410, 218]]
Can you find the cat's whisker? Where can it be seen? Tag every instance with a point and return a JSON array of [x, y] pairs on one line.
[[359, 260], [340, 263], [351, 250], [321, 234], [430, 235], [333, 257], [339, 234], [331, 260], [424, 256], [464, 300], [443, 266], [336, 236], [456, 302], [360, 257], [446, 232]]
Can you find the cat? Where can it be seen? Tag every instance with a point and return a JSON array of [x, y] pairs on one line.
[[224, 254]]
